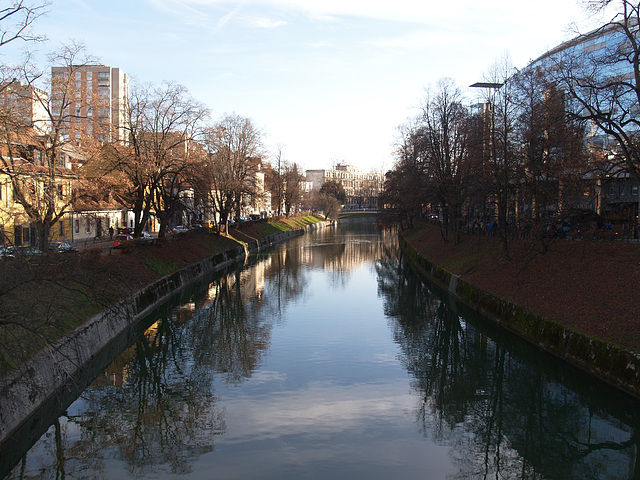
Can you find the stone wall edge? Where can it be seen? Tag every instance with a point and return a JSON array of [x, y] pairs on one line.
[[612, 364], [24, 391]]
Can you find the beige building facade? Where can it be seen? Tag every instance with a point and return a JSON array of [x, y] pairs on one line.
[[26, 103], [362, 189]]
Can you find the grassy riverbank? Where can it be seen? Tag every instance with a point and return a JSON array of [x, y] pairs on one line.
[[588, 286], [44, 297]]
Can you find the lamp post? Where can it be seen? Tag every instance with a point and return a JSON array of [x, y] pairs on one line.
[[492, 87]]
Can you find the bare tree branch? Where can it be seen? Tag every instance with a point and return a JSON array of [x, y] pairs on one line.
[[16, 21]]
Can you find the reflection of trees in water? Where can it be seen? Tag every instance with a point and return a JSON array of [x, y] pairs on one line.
[[285, 280], [503, 418], [230, 334], [155, 407], [56, 456], [164, 414], [351, 246]]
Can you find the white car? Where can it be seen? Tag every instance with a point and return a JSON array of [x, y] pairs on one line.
[[144, 238], [180, 229]]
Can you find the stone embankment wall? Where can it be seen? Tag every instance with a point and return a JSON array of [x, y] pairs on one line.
[[615, 365], [55, 369]]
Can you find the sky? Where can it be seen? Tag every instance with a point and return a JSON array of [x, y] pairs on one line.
[[325, 81]]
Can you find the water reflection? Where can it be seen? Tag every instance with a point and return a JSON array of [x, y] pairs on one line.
[[208, 383], [502, 417]]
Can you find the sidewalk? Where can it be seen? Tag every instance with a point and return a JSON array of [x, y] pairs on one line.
[[103, 243]]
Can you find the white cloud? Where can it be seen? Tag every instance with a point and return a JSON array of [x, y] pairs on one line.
[[321, 407], [267, 23]]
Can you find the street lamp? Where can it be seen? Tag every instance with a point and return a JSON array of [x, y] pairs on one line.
[[493, 87], [486, 85]]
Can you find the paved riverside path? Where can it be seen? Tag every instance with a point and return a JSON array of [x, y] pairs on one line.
[[103, 243]]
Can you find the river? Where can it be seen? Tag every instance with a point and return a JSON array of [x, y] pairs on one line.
[[328, 357]]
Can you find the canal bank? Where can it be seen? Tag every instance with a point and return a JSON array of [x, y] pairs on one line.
[[57, 370], [617, 366]]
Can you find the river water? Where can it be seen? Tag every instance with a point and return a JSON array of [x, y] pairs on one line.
[[328, 357]]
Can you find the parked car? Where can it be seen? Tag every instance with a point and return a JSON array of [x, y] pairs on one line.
[[61, 247], [125, 230], [120, 239], [180, 229], [6, 252], [27, 251], [145, 238]]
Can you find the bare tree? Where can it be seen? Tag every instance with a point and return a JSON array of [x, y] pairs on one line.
[[446, 161], [284, 182], [275, 181], [501, 144], [17, 18], [292, 188], [235, 151], [161, 131], [328, 204], [37, 152], [404, 195], [553, 156], [601, 81]]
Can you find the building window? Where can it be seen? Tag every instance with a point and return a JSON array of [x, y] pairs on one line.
[[87, 226], [634, 190], [61, 228], [76, 226], [17, 235]]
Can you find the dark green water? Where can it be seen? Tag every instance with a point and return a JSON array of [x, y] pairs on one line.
[[329, 358]]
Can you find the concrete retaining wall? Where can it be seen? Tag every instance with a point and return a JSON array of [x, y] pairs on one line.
[[23, 392], [615, 365]]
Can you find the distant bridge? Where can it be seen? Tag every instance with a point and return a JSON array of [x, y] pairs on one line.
[[359, 212]]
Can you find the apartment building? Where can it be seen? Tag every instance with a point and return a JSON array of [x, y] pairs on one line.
[[361, 189], [92, 100], [26, 103], [598, 67]]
